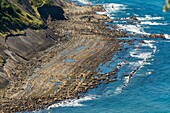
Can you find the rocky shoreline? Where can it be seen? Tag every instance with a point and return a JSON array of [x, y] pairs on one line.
[[77, 46], [66, 69]]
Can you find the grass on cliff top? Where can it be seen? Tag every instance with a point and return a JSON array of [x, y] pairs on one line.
[[39, 3], [36, 4], [14, 19]]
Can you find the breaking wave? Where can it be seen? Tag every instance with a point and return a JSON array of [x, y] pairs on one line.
[[73, 102], [85, 2]]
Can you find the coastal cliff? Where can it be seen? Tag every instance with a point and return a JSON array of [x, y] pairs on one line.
[[23, 32]]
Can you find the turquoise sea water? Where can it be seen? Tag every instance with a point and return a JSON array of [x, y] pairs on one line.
[[149, 89]]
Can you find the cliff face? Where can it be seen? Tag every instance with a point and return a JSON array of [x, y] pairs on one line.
[[17, 15], [14, 18], [23, 32]]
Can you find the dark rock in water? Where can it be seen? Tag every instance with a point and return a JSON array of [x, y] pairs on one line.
[[162, 36], [126, 75], [134, 18]]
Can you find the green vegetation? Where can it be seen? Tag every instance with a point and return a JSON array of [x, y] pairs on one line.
[[39, 3], [19, 1], [13, 19]]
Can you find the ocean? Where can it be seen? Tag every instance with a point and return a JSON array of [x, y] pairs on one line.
[[148, 91]]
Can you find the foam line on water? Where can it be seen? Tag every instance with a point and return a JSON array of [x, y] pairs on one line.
[[113, 7], [85, 2], [73, 102], [149, 17], [148, 20], [151, 45], [141, 55], [153, 23], [144, 55], [119, 89], [132, 28], [167, 36], [101, 13]]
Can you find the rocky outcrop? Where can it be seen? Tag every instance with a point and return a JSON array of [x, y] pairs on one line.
[[21, 48], [32, 41]]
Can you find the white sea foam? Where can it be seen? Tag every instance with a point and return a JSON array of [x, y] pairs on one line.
[[127, 13], [132, 28], [149, 41], [101, 13], [148, 20], [151, 45], [167, 36], [73, 102], [152, 23], [148, 73], [149, 17], [141, 55], [83, 1], [136, 14], [144, 55], [113, 8], [118, 90], [144, 21]]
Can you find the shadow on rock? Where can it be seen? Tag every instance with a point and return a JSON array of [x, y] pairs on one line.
[[56, 12]]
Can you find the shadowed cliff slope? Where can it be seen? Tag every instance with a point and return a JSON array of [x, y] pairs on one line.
[[55, 12], [23, 32], [14, 19]]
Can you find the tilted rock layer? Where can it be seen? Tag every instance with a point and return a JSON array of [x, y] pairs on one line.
[[49, 65]]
